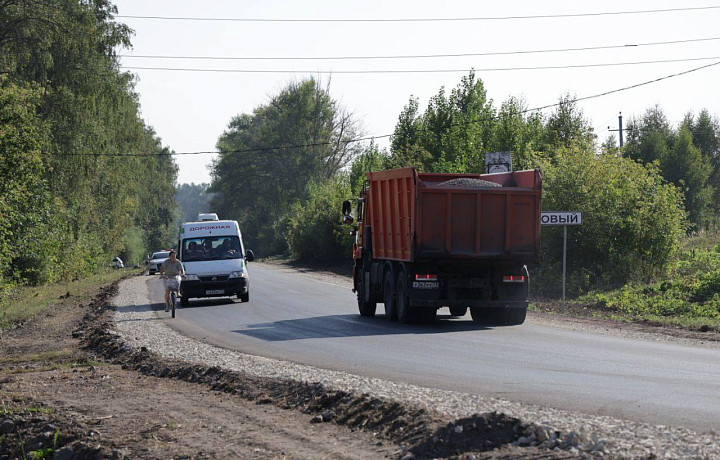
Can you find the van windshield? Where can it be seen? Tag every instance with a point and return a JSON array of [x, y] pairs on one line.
[[210, 248]]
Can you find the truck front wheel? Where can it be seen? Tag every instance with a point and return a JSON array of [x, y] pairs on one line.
[[389, 297], [366, 307]]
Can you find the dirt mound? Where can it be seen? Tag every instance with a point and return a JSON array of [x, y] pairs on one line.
[[28, 430], [417, 432]]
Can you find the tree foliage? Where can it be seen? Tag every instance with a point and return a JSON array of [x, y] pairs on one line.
[[455, 131], [314, 229], [192, 200], [679, 157], [632, 221], [269, 157], [65, 105]]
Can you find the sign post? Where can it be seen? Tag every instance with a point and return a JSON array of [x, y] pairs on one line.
[[563, 218]]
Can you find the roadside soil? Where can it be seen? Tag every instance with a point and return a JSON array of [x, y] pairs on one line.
[[71, 389]]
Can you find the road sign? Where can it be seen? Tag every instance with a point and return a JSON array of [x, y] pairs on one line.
[[561, 218]]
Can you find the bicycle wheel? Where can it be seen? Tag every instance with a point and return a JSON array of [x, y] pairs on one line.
[[173, 299]]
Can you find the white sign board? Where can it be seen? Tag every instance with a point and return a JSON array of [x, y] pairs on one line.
[[561, 218]]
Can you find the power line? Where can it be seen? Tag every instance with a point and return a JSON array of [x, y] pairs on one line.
[[456, 19], [489, 69], [349, 141], [418, 56]]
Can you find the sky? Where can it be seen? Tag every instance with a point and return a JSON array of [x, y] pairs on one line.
[[189, 110]]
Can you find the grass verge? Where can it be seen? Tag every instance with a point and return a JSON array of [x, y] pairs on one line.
[[26, 302], [688, 298]]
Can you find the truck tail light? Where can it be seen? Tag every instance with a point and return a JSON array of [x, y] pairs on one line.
[[425, 277], [514, 278]]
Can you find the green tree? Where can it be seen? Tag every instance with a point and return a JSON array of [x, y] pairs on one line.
[[315, 232], [633, 221], [649, 138], [23, 196], [370, 159], [686, 167], [192, 200], [87, 205], [517, 131], [301, 136], [451, 135], [652, 139], [706, 137], [568, 127]]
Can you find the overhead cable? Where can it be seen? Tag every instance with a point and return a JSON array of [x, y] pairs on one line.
[[416, 56], [455, 19], [366, 138], [399, 71]]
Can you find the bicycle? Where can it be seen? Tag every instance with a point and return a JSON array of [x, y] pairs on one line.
[[173, 284]]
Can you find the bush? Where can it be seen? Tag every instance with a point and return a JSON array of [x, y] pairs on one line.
[[691, 291], [315, 232], [134, 249], [632, 222]]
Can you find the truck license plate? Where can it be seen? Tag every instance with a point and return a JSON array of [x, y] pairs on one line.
[[215, 291], [425, 285]]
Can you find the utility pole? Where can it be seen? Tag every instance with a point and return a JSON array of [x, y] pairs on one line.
[[620, 129]]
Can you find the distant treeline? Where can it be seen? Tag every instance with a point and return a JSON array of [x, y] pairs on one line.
[[638, 201], [66, 206]]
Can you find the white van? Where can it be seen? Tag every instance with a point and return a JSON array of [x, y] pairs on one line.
[[215, 260]]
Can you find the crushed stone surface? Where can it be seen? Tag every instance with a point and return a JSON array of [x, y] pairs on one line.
[[575, 433]]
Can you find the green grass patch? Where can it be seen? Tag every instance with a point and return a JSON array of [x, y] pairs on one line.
[[688, 297], [35, 357], [23, 303], [21, 409]]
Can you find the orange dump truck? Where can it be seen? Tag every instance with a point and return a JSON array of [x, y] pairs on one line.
[[426, 241]]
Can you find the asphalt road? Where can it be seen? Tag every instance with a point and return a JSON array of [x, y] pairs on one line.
[[303, 320]]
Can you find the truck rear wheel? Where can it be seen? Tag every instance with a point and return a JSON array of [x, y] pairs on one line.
[[515, 316], [487, 316], [405, 313], [498, 317], [427, 315], [366, 307], [389, 297]]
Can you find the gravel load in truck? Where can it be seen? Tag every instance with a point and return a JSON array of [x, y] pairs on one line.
[[467, 182]]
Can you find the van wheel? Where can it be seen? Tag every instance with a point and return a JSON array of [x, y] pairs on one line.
[[244, 297], [389, 297], [458, 311], [185, 301]]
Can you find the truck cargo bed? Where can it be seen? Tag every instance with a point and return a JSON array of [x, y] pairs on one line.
[[437, 216]]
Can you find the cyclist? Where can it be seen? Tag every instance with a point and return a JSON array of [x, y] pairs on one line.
[[170, 268]]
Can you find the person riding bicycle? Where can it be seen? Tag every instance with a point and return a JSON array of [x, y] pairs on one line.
[[170, 268]]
